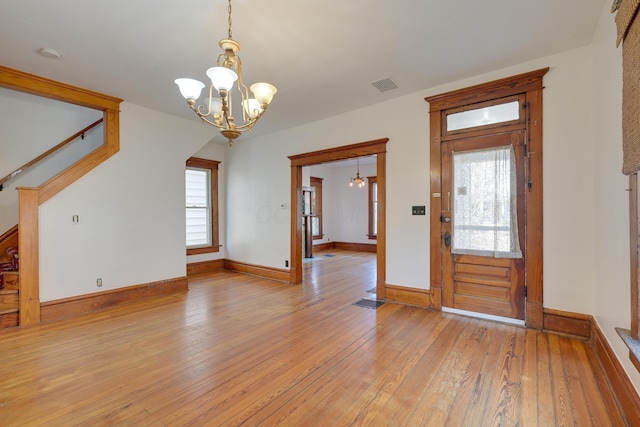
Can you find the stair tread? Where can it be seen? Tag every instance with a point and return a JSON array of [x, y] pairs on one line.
[[6, 291]]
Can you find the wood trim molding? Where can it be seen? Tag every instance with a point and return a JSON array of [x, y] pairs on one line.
[[41, 86], [358, 247], [257, 270], [565, 322], [82, 304], [28, 218], [28, 253], [326, 246], [619, 382], [513, 85], [367, 148], [409, 296], [204, 266]]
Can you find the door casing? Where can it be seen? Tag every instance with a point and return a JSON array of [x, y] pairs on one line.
[[529, 85], [368, 148]]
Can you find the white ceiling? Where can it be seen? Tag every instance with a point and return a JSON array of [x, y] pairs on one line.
[[322, 55]]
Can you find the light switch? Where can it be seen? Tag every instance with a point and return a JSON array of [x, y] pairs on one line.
[[418, 210]]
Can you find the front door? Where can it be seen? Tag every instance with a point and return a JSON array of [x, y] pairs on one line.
[[482, 224]]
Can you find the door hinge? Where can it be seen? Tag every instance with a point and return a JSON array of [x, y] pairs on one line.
[[525, 291]]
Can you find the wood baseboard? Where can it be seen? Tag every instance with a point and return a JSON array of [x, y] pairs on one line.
[[204, 266], [628, 399], [51, 311], [565, 322], [359, 247], [258, 270], [409, 296], [327, 246]]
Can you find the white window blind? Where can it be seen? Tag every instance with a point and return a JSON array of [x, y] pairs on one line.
[[198, 207]]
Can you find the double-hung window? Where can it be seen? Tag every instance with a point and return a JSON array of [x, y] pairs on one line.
[[201, 203]]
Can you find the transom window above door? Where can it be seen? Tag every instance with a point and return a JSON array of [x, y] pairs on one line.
[[484, 115]]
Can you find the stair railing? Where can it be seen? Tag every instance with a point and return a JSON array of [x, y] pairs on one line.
[[48, 152]]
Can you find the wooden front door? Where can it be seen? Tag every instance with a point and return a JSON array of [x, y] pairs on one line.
[[482, 224]]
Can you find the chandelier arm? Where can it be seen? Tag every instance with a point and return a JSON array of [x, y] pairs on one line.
[[199, 110]]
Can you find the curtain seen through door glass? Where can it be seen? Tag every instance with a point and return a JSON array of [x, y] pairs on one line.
[[484, 203]]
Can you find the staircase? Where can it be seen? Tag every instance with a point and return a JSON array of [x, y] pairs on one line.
[[9, 285], [9, 300]]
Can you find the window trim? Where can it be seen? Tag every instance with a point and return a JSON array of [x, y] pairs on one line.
[[212, 166], [372, 221], [631, 337]]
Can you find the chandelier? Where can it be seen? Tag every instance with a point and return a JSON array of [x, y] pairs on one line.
[[358, 180], [217, 109]]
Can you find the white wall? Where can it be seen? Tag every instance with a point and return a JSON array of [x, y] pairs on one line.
[[259, 171], [131, 211], [31, 125], [611, 202], [345, 208]]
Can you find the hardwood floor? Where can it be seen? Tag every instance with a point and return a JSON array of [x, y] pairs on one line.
[[240, 350]]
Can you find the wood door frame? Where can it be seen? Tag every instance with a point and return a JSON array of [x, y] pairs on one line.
[[529, 84], [376, 147]]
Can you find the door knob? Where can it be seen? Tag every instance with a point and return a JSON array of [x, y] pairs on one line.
[[447, 239]]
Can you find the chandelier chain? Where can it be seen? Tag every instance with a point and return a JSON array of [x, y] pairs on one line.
[[230, 20]]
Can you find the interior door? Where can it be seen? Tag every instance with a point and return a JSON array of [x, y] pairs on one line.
[[482, 224]]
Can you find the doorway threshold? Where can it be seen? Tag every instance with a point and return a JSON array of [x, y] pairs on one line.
[[501, 319]]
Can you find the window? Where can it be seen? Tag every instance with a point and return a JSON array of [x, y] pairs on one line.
[[373, 207], [316, 208], [484, 115], [201, 201]]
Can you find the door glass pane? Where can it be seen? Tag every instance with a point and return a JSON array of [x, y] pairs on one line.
[[484, 116], [484, 203]]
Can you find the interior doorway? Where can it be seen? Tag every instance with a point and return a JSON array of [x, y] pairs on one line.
[[375, 147]]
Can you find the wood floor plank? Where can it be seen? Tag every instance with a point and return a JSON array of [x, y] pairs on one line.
[[560, 384], [530, 381], [240, 350]]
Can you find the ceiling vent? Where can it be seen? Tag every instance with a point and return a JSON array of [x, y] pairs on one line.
[[385, 85]]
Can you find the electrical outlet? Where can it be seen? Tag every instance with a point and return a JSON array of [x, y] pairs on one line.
[[99, 282], [286, 263]]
